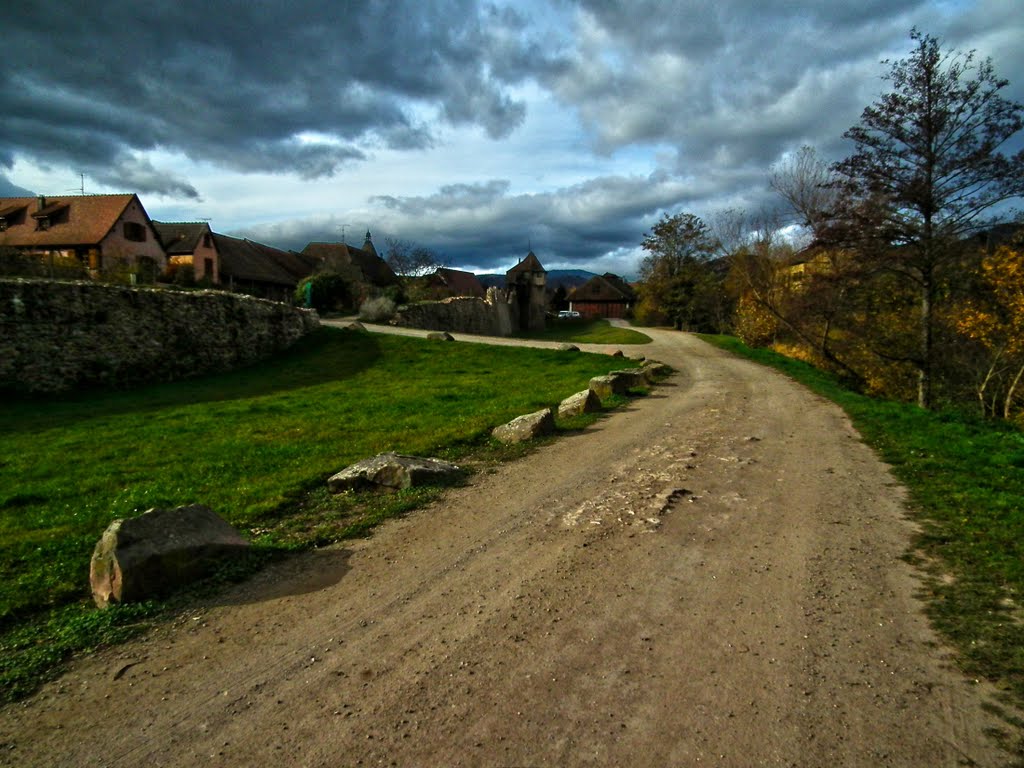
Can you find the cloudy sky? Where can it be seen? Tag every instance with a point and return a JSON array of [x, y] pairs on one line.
[[478, 128]]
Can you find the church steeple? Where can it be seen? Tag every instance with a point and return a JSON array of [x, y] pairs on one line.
[[368, 244]]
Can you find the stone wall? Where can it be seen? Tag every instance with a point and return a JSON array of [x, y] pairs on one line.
[[56, 336], [497, 315]]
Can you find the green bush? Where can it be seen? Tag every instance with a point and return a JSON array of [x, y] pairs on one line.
[[325, 292]]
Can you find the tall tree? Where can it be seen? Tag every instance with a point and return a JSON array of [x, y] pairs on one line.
[[927, 169], [676, 278]]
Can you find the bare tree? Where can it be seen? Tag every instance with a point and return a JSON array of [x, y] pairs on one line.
[[809, 186], [409, 259]]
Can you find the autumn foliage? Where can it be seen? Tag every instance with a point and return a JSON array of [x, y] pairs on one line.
[[905, 285]]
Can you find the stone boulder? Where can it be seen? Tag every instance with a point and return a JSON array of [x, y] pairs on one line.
[[440, 336], [525, 427], [606, 386], [568, 348], [654, 370], [159, 551], [393, 472], [580, 403], [355, 325], [633, 377]]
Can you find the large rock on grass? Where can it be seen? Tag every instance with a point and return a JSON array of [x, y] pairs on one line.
[[654, 370], [580, 403], [526, 427], [158, 552], [631, 377], [618, 382], [606, 386], [393, 472]]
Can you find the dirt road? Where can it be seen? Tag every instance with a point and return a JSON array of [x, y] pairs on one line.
[[710, 576]]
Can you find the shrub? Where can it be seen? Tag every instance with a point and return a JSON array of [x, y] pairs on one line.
[[377, 310], [325, 292]]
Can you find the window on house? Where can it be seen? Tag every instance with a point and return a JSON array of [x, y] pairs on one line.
[[208, 268], [207, 241], [42, 223], [134, 231]]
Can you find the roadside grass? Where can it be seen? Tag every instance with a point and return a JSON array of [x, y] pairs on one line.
[[586, 331], [255, 445], [965, 476]]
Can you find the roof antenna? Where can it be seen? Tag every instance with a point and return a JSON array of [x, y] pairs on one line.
[[81, 189]]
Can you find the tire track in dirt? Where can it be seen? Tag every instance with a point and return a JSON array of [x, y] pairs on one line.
[[711, 575]]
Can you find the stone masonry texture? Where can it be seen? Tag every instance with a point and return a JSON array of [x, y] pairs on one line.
[[57, 336]]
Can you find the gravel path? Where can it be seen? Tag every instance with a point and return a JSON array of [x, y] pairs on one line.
[[710, 575]]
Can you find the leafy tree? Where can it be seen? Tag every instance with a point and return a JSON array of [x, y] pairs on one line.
[[560, 298], [927, 169], [995, 321], [676, 277]]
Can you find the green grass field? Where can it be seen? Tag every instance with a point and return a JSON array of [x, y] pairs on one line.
[[255, 445], [966, 482], [585, 331]]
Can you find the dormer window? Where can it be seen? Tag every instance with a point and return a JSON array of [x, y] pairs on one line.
[[12, 215], [49, 214]]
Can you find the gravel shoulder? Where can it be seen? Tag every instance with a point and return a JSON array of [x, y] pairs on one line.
[[711, 575]]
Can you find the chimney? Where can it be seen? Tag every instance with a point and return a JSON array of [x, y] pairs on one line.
[[42, 202]]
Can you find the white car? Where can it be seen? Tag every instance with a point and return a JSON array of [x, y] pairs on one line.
[[568, 313]]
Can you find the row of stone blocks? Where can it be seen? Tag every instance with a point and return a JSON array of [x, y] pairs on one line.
[[163, 549], [590, 400]]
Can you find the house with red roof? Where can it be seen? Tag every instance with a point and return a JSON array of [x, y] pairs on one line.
[[190, 245], [361, 264], [102, 234], [604, 295], [445, 283]]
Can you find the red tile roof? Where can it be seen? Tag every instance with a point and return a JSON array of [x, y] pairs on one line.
[[249, 261], [530, 264], [87, 219], [607, 287], [456, 282], [375, 270], [180, 237]]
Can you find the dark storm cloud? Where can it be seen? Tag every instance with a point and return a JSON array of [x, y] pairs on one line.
[[730, 86], [484, 226], [297, 87]]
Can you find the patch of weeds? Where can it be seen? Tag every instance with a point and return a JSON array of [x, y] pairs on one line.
[[36, 651]]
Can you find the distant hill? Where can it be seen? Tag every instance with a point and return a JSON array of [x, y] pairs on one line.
[[9, 189], [570, 278]]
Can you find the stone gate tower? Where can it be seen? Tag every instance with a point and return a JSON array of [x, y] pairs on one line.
[[529, 280]]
